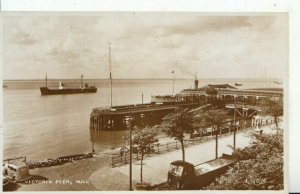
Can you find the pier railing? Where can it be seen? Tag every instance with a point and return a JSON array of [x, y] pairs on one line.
[[149, 107], [160, 148]]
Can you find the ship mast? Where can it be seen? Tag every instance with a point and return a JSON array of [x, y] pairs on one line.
[[110, 77], [81, 80], [46, 80]]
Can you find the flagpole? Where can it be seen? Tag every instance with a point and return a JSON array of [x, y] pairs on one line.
[[46, 81], [110, 77]]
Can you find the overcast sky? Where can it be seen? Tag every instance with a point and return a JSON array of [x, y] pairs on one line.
[[145, 45]]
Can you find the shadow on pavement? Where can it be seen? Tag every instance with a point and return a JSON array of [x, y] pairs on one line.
[[34, 179], [11, 186]]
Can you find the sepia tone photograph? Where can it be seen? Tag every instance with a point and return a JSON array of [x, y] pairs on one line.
[[144, 101]]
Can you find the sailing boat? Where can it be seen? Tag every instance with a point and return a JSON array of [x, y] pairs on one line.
[[65, 90]]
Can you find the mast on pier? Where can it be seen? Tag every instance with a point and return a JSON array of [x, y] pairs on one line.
[[81, 80], [46, 80], [110, 77]]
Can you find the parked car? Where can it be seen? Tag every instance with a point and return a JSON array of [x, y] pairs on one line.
[[16, 171], [186, 176]]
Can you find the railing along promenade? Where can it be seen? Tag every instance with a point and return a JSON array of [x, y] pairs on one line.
[[160, 148]]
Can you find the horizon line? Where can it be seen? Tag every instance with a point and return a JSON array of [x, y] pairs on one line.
[[142, 79]]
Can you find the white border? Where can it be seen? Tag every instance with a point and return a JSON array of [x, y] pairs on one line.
[[232, 6], [147, 5]]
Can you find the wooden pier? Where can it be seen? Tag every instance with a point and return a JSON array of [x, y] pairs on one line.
[[118, 117]]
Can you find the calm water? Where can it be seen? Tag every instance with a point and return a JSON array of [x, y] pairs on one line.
[[42, 127]]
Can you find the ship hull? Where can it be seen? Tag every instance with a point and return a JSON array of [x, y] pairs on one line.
[[48, 91]]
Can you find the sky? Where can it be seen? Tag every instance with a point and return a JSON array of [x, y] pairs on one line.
[[145, 45]]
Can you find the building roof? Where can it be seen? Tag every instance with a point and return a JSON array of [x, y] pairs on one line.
[[208, 89], [217, 86]]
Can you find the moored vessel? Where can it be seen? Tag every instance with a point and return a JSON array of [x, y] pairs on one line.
[[67, 90]]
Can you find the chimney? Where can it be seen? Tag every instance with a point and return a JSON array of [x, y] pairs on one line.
[[196, 81]]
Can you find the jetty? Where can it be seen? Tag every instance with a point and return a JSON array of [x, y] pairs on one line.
[[244, 101], [119, 117]]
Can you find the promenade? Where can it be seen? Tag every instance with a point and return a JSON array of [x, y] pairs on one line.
[[155, 167]]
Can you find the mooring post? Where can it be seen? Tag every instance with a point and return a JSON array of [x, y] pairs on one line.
[[168, 146]]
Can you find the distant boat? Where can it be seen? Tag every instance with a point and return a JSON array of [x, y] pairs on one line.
[[238, 83], [64, 90], [278, 82]]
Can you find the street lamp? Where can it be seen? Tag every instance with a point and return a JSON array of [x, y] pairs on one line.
[[130, 155], [234, 124]]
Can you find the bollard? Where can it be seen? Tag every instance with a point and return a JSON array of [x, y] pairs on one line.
[[112, 161], [168, 146]]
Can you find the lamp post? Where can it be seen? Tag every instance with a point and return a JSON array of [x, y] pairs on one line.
[[130, 156], [234, 124]]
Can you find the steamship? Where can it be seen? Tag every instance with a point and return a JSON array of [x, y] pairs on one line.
[[67, 90]]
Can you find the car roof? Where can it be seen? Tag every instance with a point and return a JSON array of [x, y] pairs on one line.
[[17, 164], [182, 163]]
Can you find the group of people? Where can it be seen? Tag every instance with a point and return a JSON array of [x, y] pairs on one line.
[[258, 121]]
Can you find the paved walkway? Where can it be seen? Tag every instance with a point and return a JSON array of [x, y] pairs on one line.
[[155, 168]]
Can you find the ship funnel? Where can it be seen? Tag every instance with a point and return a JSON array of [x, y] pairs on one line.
[[196, 81]]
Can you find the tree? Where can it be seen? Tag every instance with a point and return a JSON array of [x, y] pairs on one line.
[[213, 118], [175, 125], [143, 141], [273, 108], [259, 166]]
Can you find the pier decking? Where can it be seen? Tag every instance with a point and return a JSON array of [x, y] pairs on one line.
[[118, 117]]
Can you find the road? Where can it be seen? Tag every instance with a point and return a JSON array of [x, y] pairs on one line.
[[155, 168]]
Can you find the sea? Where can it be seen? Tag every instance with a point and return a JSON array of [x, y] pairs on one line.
[[41, 127]]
